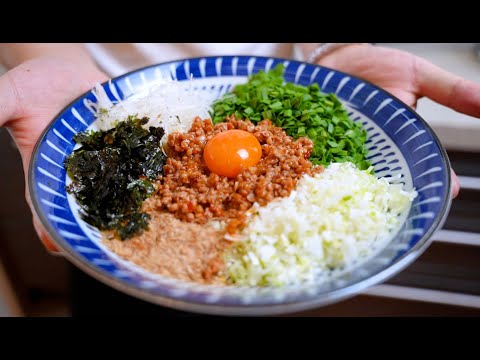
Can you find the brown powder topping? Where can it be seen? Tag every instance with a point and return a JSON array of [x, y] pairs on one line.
[[176, 249]]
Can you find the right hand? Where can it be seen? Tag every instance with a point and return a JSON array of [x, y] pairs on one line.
[[32, 94], [409, 78]]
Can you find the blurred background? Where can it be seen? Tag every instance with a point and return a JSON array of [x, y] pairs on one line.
[[444, 281]]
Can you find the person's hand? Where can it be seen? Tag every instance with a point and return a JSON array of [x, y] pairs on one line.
[[408, 77], [32, 94]]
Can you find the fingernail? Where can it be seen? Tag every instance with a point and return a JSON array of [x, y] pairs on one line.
[[455, 185], [50, 247]]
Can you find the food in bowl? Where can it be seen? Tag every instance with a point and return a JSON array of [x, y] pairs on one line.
[[271, 187]]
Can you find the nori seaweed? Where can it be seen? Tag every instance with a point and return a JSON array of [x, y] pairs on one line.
[[112, 175]]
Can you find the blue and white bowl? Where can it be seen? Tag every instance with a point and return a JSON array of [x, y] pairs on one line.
[[399, 142]]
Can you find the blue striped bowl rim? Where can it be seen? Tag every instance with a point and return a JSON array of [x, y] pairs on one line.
[[400, 141]]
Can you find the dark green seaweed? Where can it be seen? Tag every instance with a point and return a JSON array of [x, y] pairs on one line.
[[112, 175]]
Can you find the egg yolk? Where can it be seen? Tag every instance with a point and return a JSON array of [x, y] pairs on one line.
[[231, 151]]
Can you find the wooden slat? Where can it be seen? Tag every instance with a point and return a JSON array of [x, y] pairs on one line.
[[457, 237], [424, 295]]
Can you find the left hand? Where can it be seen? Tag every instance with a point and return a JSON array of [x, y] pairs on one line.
[[407, 77]]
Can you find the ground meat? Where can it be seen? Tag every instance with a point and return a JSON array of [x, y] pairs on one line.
[[181, 242], [174, 248], [192, 193]]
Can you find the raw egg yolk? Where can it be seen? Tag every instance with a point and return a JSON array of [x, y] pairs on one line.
[[231, 151]]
